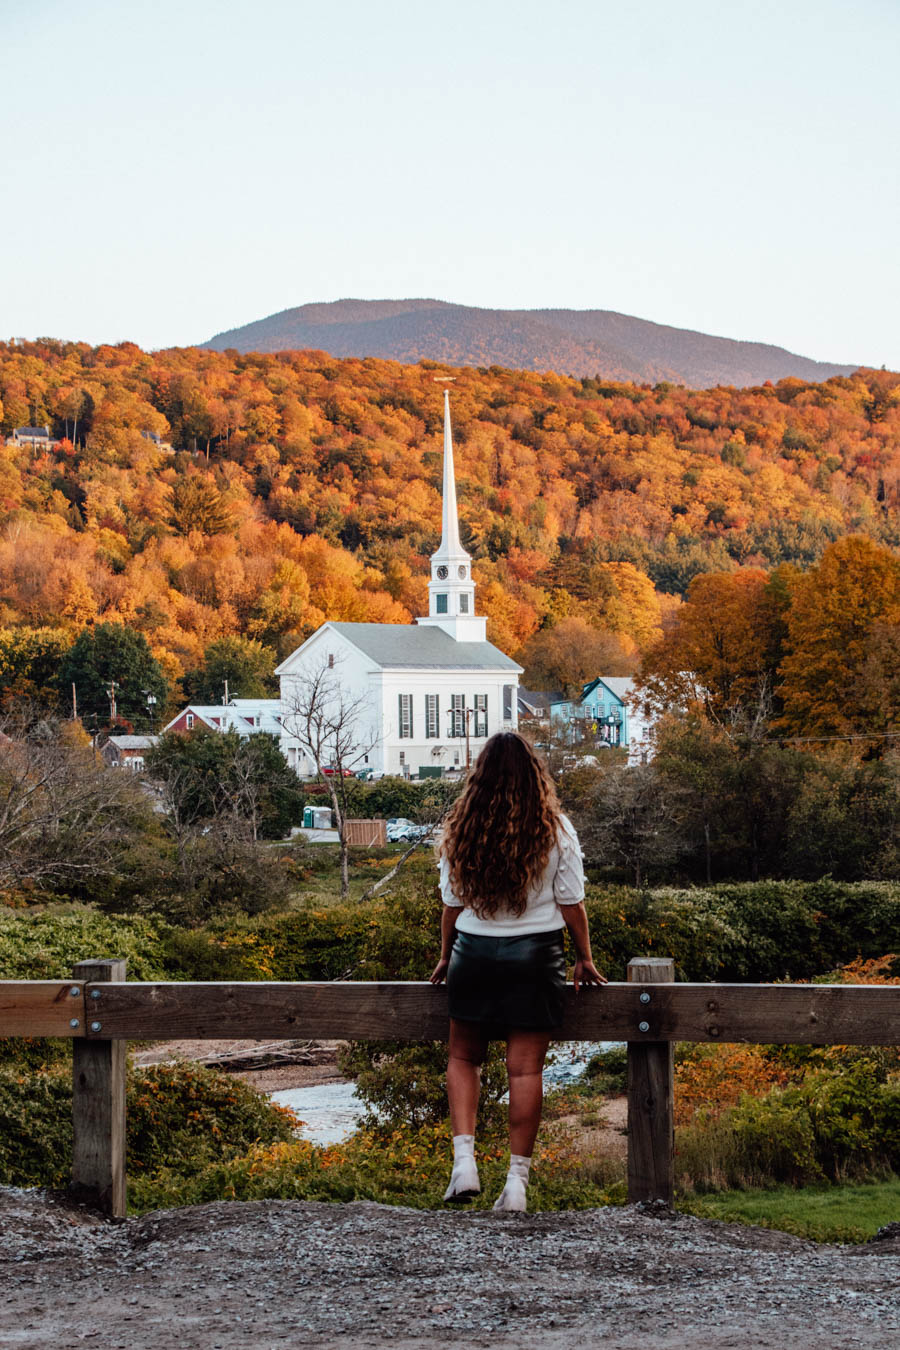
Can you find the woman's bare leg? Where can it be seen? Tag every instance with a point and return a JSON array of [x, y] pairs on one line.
[[468, 1047], [525, 1055]]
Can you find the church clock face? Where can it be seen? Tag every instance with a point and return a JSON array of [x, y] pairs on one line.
[[462, 574], [442, 573]]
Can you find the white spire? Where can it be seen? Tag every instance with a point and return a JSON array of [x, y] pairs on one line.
[[450, 546], [451, 590]]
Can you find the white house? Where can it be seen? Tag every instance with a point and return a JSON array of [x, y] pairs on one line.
[[246, 716], [432, 691]]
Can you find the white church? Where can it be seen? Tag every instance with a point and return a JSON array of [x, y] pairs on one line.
[[432, 691]]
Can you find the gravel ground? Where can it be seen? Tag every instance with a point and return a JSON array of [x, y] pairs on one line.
[[279, 1273]]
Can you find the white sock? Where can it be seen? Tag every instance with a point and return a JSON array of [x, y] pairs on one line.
[[513, 1196], [464, 1182]]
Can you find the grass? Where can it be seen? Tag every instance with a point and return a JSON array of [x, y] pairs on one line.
[[821, 1213], [321, 886]]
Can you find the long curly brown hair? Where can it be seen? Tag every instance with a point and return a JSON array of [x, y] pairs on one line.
[[500, 831]]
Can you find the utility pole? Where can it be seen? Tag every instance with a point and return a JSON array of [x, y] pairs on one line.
[[74, 704], [111, 691], [225, 699]]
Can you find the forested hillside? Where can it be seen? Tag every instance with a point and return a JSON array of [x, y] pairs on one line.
[[299, 488], [574, 341]]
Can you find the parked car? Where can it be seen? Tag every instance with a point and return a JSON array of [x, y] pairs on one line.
[[368, 775], [401, 830], [330, 771]]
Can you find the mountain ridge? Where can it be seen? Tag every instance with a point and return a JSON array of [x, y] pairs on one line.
[[571, 342]]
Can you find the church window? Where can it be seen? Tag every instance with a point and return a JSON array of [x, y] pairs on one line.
[[440, 604], [463, 604], [457, 714], [456, 757], [406, 716], [402, 756], [481, 725], [508, 702], [432, 716], [331, 660]]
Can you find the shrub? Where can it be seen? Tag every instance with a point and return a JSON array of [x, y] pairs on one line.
[[389, 797], [180, 1117], [45, 943], [403, 1085], [712, 1078], [606, 1072], [838, 1122], [178, 1114], [402, 1167]]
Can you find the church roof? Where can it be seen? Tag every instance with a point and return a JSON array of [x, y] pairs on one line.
[[395, 645]]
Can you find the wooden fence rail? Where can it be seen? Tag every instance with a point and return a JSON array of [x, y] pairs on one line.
[[99, 1011]]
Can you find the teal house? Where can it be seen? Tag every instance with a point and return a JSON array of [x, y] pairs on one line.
[[607, 714]]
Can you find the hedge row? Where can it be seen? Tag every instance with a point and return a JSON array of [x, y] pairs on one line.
[[740, 932]]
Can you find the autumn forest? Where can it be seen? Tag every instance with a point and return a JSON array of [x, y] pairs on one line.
[[196, 496]]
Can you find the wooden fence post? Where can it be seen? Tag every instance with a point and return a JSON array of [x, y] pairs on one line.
[[651, 1129], [98, 1104]]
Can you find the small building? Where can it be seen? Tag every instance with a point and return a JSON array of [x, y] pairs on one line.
[[246, 716], [608, 713], [38, 438], [127, 752], [535, 704], [157, 440]]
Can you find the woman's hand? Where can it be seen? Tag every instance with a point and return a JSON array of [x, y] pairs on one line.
[[586, 973], [439, 974]]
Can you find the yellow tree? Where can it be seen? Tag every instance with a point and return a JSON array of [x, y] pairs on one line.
[[722, 652], [841, 622]]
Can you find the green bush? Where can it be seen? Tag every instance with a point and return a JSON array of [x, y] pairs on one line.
[[750, 931], [403, 1085], [401, 1167], [606, 1071], [45, 943], [747, 931], [179, 1114], [181, 1117], [840, 1122], [425, 802]]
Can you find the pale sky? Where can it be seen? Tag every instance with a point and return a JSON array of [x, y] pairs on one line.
[[174, 169]]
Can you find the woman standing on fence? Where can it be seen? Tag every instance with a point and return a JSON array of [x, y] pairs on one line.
[[511, 881]]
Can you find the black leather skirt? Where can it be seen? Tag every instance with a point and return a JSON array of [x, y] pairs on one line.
[[508, 983]]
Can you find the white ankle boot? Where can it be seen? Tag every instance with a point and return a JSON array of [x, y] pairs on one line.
[[464, 1183], [513, 1197]]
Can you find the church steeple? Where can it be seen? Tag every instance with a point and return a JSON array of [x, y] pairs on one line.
[[450, 545], [451, 590]]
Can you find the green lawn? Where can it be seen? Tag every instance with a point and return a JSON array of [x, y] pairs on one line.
[[825, 1214]]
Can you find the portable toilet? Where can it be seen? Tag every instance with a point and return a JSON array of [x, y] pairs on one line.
[[321, 817]]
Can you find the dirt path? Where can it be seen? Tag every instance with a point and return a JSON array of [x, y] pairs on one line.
[[360, 1276]]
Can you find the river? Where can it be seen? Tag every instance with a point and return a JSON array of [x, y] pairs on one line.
[[329, 1111]]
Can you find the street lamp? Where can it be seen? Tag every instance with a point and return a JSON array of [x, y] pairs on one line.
[[150, 700]]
